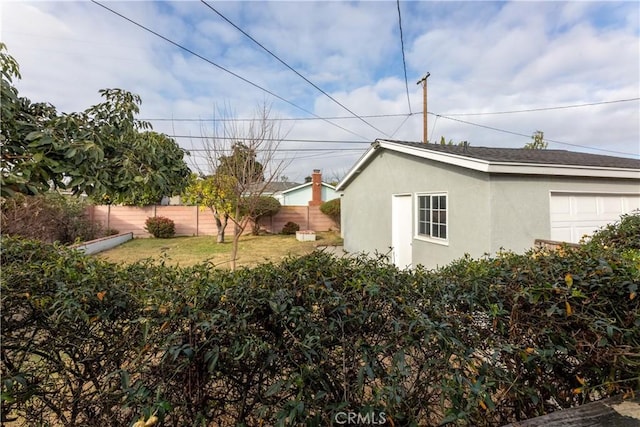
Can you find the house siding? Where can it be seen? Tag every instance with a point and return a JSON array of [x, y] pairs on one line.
[[362, 229], [492, 204], [520, 205], [302, 196], [369, 229]]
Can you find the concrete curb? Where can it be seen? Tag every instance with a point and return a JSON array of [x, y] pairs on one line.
[[102, 244]]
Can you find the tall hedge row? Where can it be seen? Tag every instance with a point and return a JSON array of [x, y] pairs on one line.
[[480, 342]]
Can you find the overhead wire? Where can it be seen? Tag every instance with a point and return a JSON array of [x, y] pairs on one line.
[[196, 150], [449, 116], [529, 136], [221, 67], [401, 124], [560, 107], [227, 119], [228, 138], [404, 62], [291, 68], [529, 110]]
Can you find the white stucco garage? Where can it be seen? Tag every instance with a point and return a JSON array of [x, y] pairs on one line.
[[429, 204], [574, 215]]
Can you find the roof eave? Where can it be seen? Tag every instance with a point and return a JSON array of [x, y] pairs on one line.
[[513, 167], [563, 170], [355, 169]]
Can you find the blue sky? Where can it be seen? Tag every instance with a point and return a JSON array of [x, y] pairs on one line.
[[484, 57]]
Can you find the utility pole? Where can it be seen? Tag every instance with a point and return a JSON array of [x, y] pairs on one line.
[[424, 109]]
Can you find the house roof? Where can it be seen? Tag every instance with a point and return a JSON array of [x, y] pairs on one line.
[[307, 184], [506, 160], [522, 155], [275, 187]]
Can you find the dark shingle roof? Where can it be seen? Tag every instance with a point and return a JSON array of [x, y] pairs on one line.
[[273, 187], [522, 155]]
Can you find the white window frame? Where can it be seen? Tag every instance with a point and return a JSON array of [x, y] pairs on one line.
[[430, 237]]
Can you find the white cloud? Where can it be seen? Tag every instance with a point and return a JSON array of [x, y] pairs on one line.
[[483, 57]]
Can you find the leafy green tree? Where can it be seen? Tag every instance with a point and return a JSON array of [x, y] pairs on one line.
[[103, 151], [264, 207], [538, 142], [250, 164], [215, 192], [160, 170], [242, 163]]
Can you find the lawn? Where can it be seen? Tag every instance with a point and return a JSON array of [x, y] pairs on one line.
[[185, 251]]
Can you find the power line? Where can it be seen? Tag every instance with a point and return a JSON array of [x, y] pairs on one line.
[[222, 68], [529, 136], [370, 116], [404, 63], [277, 119], [544, 108], [291, 68], [279, 149], [228, 138], [401, 124]]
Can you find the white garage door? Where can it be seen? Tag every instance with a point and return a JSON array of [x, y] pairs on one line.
[[575, 214]]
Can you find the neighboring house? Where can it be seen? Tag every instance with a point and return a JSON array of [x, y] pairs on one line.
[[312, 193], [430, 204], [275, 189]]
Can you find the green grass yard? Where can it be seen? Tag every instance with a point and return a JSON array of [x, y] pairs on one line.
[[186, 251]]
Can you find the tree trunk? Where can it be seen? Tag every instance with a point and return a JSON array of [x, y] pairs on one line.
[[256, 226], [220, 224], [237, 231]]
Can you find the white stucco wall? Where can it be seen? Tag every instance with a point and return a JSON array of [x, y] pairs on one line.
[[520, 205], [486, 212], [366, 207]]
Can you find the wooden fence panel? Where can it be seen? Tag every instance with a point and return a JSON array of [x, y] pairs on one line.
[[184, 218], [196, 221]]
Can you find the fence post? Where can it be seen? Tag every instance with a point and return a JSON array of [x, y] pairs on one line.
[[197, 220]]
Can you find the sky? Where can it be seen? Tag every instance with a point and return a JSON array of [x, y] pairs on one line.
[[498, 71]]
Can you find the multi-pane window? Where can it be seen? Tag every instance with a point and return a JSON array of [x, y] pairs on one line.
[[432, 215]]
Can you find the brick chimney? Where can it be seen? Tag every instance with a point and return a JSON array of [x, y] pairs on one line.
[[316, 188]]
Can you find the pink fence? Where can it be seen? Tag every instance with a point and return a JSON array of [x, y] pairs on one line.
[[196, 221]]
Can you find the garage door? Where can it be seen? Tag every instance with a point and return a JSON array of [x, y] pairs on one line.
[[575, 214]]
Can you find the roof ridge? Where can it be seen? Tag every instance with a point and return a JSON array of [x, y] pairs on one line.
[[523, 155]]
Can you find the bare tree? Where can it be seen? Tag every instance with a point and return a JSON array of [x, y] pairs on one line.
[[247, 154]]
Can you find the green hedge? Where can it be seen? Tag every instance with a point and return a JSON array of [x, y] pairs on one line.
[[480, 342], [332, 209]]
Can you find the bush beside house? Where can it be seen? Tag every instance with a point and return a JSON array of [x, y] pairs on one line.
[[481, 342], [331, 208]]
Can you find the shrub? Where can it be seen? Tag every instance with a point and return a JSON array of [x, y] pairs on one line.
[[331, 208], [480, 342], [48, 217], [160, 227], [290, 228]]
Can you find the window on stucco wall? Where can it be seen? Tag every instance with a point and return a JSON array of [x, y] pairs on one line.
[[432, 216]]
